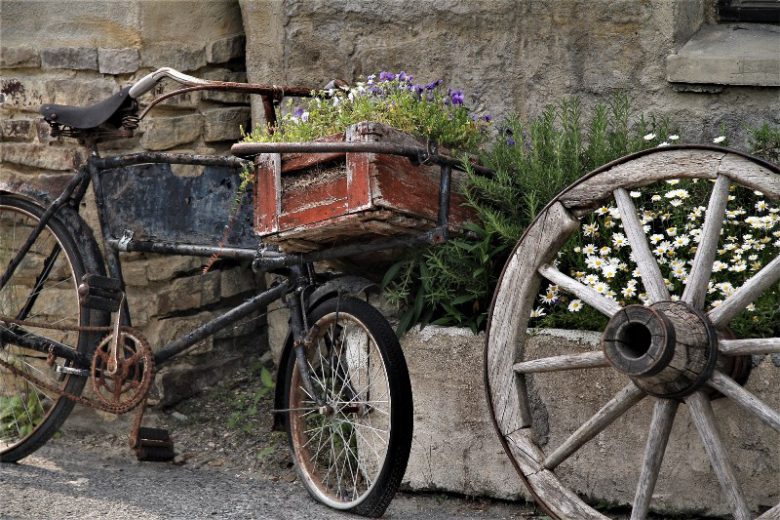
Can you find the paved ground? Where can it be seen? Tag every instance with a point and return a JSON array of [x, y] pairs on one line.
[[68, 480]]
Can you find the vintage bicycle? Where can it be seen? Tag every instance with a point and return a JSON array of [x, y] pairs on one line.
[[343, 392]]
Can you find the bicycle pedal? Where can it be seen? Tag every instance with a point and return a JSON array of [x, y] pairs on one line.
[[154, 444]]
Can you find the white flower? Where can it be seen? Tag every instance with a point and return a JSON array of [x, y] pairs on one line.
[[761, 205], [590, 229], [575, 306], [548, 297], [609, 271], [603, 210], [604, 251], [601, 288], [654, 239], [629, 291], [681, 241], [538, 313], [675, 203], [673, 137], [719, 139], [649, 137], [635, 194], [591, 279], [655, 198], [589, 249], [619, 240], [672, 231], [594, 262], [661, 145]]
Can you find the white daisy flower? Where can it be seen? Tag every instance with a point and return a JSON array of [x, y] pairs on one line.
[[719, 139], [575, 306]]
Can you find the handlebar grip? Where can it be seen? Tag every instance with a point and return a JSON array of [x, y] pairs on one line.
[[148, 82], [143, 85]]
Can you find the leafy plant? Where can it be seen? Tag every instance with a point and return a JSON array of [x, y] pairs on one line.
[[19, 415], [246, 407], [453, 284], [425, 110]]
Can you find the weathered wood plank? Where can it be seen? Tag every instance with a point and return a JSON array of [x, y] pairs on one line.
[[617, 406], [587, 294], [593, 359], [510, 314], [360, 169], [657, 439], [649, 270], [562, 502], [696, 289], [293, 162], [661, 165], [746, 294], [747, 347], [268, 187], [772, 514], [750, 174], [745, 399], [704, 419], [527, 454]]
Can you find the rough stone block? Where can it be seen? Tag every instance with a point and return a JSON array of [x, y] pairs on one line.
[[166, 267], [118, 61], [224, 124], [16, 129], [19, 57], [171, 55], [226, 49], [162, 133], [29, 93], [38, 156], [74, 58]]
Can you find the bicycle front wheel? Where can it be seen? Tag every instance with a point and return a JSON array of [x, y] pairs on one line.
[[42, 290], [351, 437]]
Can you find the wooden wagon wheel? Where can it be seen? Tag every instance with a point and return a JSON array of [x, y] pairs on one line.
[[675, 354]]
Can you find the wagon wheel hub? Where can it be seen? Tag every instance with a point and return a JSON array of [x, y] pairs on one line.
[[668, 349]]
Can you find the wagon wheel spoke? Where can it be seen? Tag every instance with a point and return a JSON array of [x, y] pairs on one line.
[[731, 389], [696, 290], [704, 419], [747, 347], [649, 271], [744, 296], [568, 362], [587, 294], [660, 428], [617, 406]]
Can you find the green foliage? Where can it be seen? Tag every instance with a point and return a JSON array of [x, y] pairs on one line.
[[245, 407], [19, 415], [426, 111], [765, 142], [453, 284]]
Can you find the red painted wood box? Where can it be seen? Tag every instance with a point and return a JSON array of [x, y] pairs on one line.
[[306, 202]]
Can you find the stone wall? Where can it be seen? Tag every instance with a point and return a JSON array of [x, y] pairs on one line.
[[80, 52], [514, 56]]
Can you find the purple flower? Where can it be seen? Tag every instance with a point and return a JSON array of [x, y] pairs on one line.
[[510, 140], [487, 118], [456, 97], [298, 112], [386, 76], [403, 77], [432, 85]]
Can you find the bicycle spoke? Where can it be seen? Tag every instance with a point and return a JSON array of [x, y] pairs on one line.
[[566, 362], [660, 428], [617, 406], [704, 420], [701, 270], [587, 294], [745, 399], [649, 271], [745, 295]]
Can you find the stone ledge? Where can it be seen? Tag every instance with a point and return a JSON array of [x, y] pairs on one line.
[[729, 54]]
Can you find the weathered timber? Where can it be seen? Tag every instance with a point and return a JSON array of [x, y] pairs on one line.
[[268, 186], [617, 406], [747, 347], [511, 310], [751, 175], [587, 294], [651, 275], [657, 439], [746, 294], [731, 389], [658, 166], [772, 514], [561, 502], [704, 419], [331, 198], [568, 362], [696, 289]]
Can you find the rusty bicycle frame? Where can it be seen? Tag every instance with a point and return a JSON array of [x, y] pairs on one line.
[[301, 279]]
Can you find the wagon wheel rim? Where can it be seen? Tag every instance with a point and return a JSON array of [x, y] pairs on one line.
[[639, 341]]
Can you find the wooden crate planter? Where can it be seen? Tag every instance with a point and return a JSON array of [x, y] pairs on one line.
[[306, 202]]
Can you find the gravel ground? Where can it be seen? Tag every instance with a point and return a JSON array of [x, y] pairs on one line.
[[228, 465]]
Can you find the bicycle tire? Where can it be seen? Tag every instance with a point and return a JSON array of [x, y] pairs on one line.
[[28, 415], [353, 344]]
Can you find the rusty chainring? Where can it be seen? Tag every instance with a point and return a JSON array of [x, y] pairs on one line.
[[133, 374]]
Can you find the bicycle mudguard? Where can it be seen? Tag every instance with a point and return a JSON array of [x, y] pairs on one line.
[[348, 285]]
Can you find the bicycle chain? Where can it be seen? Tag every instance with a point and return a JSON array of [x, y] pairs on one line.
[[116, 409]]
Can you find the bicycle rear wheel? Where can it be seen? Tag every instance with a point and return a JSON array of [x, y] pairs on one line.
[[352, 448], [43, 289]]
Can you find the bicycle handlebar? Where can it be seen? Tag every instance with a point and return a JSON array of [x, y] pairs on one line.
[[149, 81]]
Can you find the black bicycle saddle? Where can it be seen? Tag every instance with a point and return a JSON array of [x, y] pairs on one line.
[[93, 116]]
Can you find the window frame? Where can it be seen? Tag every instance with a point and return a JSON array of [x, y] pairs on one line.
[[751, 11]]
